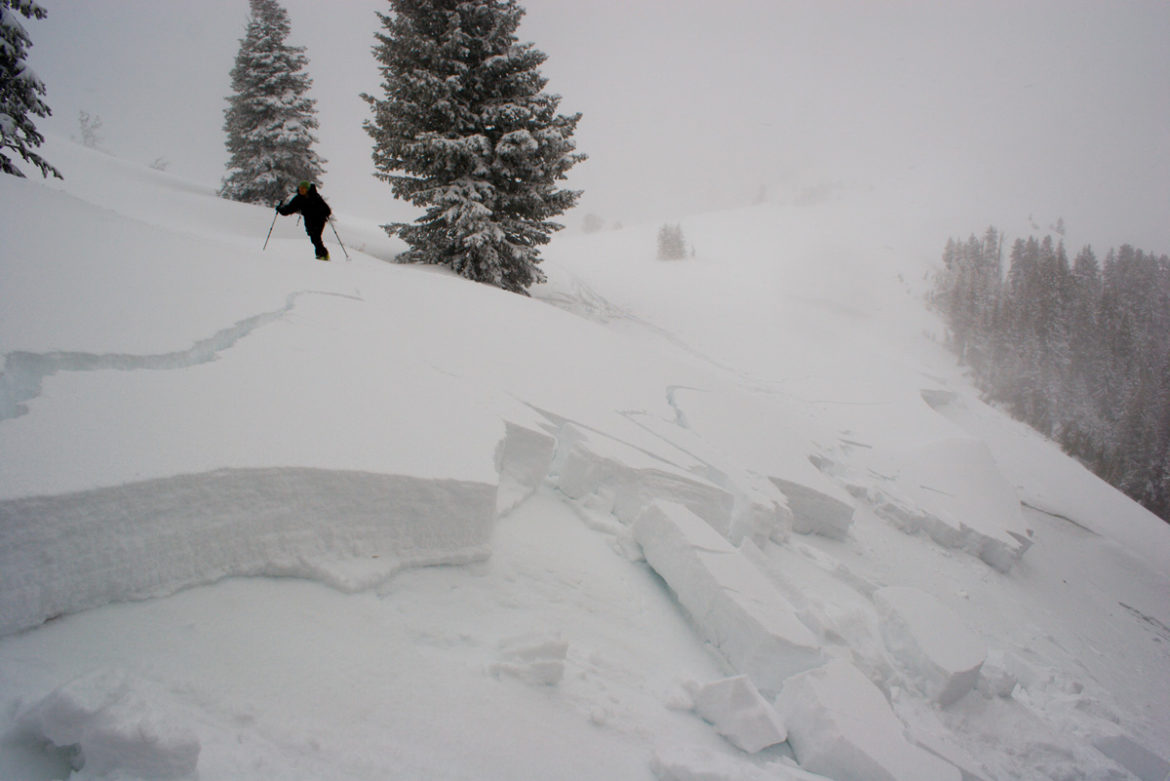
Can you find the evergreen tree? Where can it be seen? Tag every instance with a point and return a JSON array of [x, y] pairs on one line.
[[672, 245], [465, 132], [1082, 426], [20, 90], [269, 119]]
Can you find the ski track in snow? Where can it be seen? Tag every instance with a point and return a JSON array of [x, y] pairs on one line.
[[24, 372]]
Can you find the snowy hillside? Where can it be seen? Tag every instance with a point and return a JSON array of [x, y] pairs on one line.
[[733, 517]]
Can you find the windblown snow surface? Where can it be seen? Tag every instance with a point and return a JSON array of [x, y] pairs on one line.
[[733, 517]]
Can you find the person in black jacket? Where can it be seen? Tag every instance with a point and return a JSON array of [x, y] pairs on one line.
[[315, 211]]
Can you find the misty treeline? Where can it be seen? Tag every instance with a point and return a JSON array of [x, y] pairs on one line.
[[1079, 350]]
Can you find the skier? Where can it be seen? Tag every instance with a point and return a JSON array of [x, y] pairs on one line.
[[316, 212]]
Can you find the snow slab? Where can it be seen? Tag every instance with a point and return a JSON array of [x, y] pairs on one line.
[[352, 530], [614, 476], [1055, 483], [739, 713], [840, 725], [777, 443], [761, 511], [942, 656], [732, 603], [952, 490]]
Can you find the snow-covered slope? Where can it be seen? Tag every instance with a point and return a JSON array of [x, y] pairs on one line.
[[226, 475]]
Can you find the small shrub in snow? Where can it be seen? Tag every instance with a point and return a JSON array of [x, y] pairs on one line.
[[672, 245], [91, 125]]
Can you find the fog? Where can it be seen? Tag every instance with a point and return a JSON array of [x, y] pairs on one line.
[[985, 111]]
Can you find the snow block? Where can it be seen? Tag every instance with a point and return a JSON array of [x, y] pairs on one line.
[[817, 511], [840, 726], [941, 655], [732, 603], [611, 475], [739, 713], [996, 678], [350, 530], [759, 517], [522, 460], [117, 728], [537, 660], [1134, 757]]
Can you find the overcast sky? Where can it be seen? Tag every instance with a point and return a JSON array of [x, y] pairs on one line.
[[993, 109]]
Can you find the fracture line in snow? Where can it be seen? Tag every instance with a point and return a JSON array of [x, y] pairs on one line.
[[24, 372], [588, 303], [680, 417]]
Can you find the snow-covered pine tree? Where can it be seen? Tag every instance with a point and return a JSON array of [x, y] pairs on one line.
[[20, 90], [672, 245], [465, 132], [269, 119]]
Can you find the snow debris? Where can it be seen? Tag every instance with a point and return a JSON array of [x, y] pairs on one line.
[[739, 713], [732, 602], [118, 725], [840, 725], [535, 659], [941, 655]]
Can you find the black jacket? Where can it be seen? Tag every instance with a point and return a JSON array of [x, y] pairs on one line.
[[311, 206]]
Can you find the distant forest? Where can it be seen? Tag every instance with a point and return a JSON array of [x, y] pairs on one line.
[[1080, 351]]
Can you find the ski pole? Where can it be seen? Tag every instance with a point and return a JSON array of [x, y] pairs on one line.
[[270, 227], [331, 225]]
